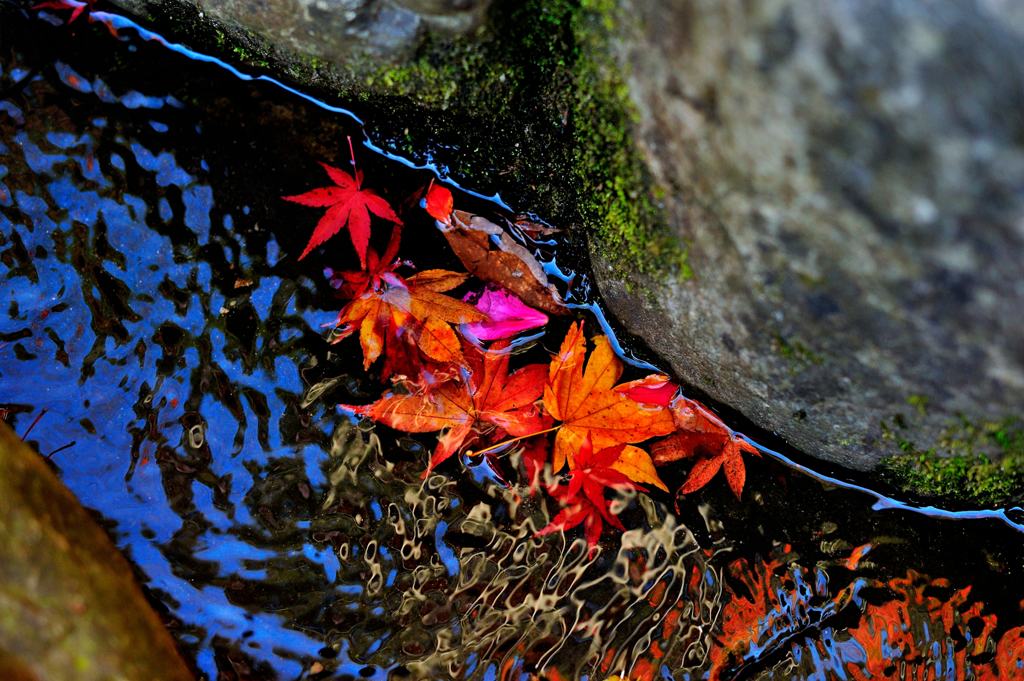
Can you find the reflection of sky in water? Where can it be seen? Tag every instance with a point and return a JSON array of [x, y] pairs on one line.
[[55, 314]]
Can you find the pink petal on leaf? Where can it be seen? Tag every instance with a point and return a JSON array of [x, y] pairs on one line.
[[653, 389], [509, 316]]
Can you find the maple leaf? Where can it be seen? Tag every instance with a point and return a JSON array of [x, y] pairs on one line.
[[702, 435], [583, 496], [586, 404], [354, 283], [413, 310], [578, 510], [346, 203], [487, 396]]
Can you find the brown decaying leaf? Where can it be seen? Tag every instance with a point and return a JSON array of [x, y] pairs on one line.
[[506, 263]]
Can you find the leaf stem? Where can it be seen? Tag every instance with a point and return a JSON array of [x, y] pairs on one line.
[[352, 152], [514, 439]]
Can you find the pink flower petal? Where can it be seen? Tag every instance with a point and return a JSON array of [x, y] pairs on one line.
[[509, 316], [653, 389]]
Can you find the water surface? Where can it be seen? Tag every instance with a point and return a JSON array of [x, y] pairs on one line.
[[154, 307]]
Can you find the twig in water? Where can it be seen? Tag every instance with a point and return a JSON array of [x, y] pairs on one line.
[[60, 449], [33, 424]]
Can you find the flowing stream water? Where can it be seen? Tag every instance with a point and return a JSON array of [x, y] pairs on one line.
[[154, 307]]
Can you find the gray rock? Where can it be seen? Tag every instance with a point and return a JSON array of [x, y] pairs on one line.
[[849, 177], [340, 31]]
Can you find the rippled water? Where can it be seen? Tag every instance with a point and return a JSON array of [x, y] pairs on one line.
[[155, 310]]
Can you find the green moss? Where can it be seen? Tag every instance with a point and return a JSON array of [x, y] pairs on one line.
[[626, 222], [920, 402], [979, 463], [796, 353], [546, 67]]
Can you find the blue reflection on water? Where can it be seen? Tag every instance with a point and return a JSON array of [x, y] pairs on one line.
[[109, 365]]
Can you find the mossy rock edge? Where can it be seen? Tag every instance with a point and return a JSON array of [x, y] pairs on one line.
[[532, 105]]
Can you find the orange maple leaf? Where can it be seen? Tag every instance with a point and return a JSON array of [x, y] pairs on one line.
[[345, 203], [585, 402], [409, 310], [701, 434], [486, 396]]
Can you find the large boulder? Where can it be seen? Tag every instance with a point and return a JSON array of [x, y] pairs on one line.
[[849, 180]]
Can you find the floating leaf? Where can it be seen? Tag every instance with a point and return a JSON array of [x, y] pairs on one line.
[[491, 254], [347, 204], [409, 310], [487, 396], [636, 465], [716, 447], [508, 316], [586, 404], [438, 203]]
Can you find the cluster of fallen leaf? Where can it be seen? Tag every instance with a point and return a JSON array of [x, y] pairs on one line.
[[449, 363]]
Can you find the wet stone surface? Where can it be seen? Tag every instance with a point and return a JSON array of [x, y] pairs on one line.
[[153, 306]]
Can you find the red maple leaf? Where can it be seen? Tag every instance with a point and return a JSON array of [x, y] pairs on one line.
[[354, 283], [583, 496], [347, 203], [701, 434], [486, 397]]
